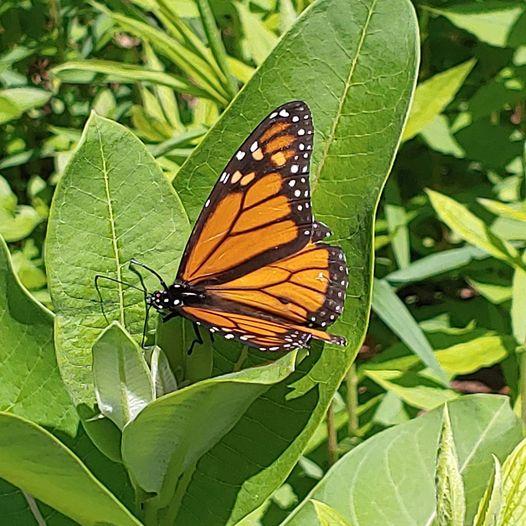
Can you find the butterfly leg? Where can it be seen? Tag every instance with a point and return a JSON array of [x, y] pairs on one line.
[[98, 277], [197, 340]]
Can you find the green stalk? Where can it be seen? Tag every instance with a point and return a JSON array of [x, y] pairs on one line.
[[216, 44], [351, 380], [332, 439], [522, 381]]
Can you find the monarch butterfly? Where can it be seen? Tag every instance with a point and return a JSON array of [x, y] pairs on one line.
[[255, 268]]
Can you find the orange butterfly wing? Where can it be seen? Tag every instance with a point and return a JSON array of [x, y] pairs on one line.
[[259, 209], [255, 250]]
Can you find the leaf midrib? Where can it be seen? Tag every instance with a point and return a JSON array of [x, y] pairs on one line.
[[111, 218], [348, 83]]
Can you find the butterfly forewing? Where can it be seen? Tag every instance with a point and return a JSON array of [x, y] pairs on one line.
[[259, 210]]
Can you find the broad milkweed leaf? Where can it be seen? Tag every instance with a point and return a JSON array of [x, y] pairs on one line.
[[513, 510], [172, 433], [451, 507], [358, 88], [433, 95], [328, 516], [111, 205], [34, 460], [388, 306], [123, 384], [378, 482], [490, 504], [163, 378], [472, 229], [30, 382]]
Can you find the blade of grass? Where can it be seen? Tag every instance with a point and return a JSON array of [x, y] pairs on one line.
[[216, 44], [395, 315]]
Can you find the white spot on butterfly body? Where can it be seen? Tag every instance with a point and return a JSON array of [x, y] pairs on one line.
[[301, 131], [284, 113], [176, 302], [294, 168], [240, 155], [307, 232]]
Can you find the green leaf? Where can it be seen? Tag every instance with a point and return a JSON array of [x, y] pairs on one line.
[[438, 136], [171, 434], [433, 95], [389, 479], [259, 40], [163, 378], [471, 228], [16, 101], [121, 72], [16, 221], [123, 384], [490, 505], [358, 86], [395, 315], [30, 382], [513, 510], [328, 516], [397, 224], [112, 204], [34, 460], [490, 22], [518, 305], [414, 389], [503, 210], [436, 264], [451, 507]]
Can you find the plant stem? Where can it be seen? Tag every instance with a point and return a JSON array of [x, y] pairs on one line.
[[332, 439], [216, 44], [34, 509], [522, 380], [241, 360], [351, 380]]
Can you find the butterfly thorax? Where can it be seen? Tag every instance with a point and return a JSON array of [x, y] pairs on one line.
[[174, 297]]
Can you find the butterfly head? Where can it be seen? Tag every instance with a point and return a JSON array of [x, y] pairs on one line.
[[172, 298], [163, 300]]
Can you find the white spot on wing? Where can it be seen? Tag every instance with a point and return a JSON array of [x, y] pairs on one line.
[[294, 168], [254, 146], [240, 155], [301, 131], [292, 182]]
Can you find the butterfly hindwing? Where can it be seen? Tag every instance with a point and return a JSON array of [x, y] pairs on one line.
[[263, 333], [307, 287], [259, 211]]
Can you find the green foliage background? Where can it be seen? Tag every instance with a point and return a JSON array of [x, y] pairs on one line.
[[449, 295]]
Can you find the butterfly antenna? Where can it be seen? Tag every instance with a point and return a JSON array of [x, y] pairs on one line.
[[146, 267]]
